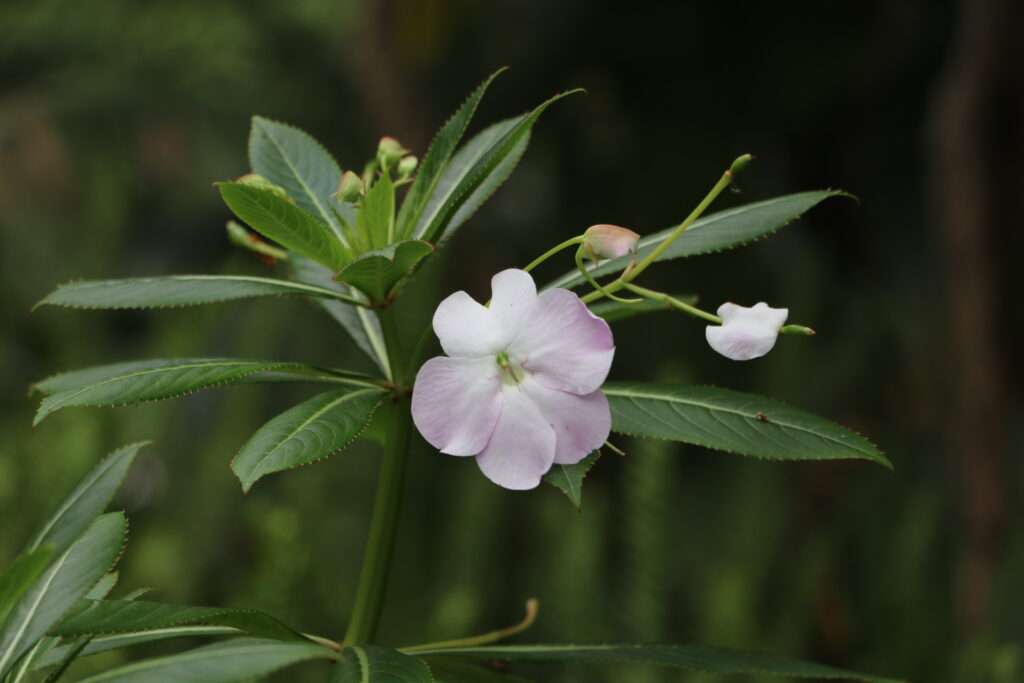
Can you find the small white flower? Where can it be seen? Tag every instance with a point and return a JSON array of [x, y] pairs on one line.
[[746, 333]]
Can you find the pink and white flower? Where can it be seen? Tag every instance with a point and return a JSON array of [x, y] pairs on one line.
[[746, 333], [520, 386]]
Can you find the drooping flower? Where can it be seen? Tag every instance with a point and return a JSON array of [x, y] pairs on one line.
[[746, 333], [520, 386], [609, 241]]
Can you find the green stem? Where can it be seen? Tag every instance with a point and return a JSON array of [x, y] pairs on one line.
[[595, 284], [578, 239], [381, 542], [484, 638]]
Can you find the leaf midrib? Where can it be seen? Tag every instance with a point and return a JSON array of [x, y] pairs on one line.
[[35, 607]]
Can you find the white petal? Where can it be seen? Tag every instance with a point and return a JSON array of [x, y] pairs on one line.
[[564, 344], [513, 297], [467, 328], [522, 447], [581, 423], [746, 333], [456, 403]]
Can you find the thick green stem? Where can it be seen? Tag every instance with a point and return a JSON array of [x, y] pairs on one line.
[[381, 543]]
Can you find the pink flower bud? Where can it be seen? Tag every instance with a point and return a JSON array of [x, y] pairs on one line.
[[609, 241], [389, 151]]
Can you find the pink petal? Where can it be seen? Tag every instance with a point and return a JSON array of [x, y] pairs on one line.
[[456, 403], [581, 423], [565, 345], [466, 328], [522, 447], [513, 298]]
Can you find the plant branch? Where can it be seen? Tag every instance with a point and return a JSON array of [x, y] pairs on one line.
[[532, 606]]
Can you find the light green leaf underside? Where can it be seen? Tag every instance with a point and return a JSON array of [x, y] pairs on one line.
[[717, 232], [371, 664], [696, 658], [464, 180], [114, 642], [234, 660], [87, 501], [153, 380], [378, 273], [294, 160], [614, 311], [177, 290], [20, 575], [436, 159], [732, 421], [288, 225], [109, 617], [70, 576], [569, 478], [377, 216], [310, 431]]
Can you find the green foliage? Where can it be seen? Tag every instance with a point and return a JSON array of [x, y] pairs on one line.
[[20, 576], [153, 380], [379, 274], [376, 220], [614, 311], [71, 575], [371, 664], [233, 660], [311, 431], [569, 478], [285, 223], [110, 617], [179, 290], [732, 421], [717, 232], [106, 643], [697, 658]]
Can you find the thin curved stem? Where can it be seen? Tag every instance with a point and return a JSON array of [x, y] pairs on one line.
[[532, 606], [597, 285], [578, 239]]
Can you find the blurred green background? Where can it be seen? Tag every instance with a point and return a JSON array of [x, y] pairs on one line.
[[116, 117]]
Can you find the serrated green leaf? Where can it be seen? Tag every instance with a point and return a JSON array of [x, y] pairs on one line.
[[109, 617], [294, 160], [20, 576], [86, 502], [140, 381], [179, 290], [732, 421], [115, 642], [310, 431], [362, 325], [378, 273], [717, 232], [436, 159], [287, 224], [696, 658], [234, 660], [614, 311], [71, 575], [451, 670], [569, 478], [460, 182], [377, 215], [372, 664]]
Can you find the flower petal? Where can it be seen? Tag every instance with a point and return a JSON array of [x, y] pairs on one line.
[[746, 333], [513, 297], [456, 403], [581, 423], [467, 328], [522, 447], [565, 345]]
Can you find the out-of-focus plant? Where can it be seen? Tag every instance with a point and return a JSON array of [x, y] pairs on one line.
[[521, 387]]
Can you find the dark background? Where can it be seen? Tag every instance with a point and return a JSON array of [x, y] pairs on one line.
[[116, 117]]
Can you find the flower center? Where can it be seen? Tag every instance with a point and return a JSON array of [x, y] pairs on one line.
[[511, 372]]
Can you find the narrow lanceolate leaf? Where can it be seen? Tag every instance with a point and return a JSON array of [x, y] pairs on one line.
[[569, 478], [379, 273], [179, 290], [87, 501], [371, 664], [115, 642], [362, 325], [308, 432], [695, 658], [436, 159], [377, 215], [109, 617], [732, 421], [717, 232], [288, 225], [20, 575], [614, 311], [451, 670], [462, 182], [153, 380], [292, 159], [70, 576], [239, 659]]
